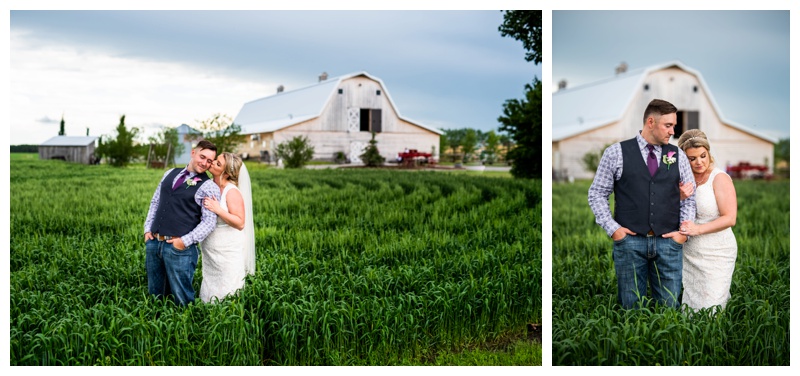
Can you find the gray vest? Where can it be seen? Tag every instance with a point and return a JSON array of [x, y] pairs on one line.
[[643, 203]]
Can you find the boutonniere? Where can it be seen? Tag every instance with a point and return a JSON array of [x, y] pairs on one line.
[[669, 159], [192, 182]]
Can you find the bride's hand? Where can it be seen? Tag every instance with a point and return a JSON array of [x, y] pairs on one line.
[[689, 228], [211, 203]]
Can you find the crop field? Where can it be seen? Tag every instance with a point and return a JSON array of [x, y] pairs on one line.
[[354, 267], [591, 328]]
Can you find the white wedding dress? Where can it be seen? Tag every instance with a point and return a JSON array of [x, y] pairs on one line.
[[708, 259], [223, 258]]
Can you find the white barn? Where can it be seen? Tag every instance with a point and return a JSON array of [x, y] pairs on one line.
[[591, 116], [336, 115]]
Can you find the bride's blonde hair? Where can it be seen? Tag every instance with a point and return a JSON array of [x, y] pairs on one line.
[[232, 165], [695, 138]]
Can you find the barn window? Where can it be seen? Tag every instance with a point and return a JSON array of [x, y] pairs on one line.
[[370, 120], [377, 92], [694, 88], [687, 120], [255, 137], [646, 87], [341, 91]]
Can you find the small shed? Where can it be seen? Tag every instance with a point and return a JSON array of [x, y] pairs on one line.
[[70, 149]]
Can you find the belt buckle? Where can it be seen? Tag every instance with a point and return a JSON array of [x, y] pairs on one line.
[[651, 234]]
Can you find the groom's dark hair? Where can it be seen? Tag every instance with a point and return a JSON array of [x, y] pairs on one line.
[[658, 107], [205, 144]]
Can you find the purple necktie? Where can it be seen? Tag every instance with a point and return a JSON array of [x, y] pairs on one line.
[[182, 177], [652, 162]]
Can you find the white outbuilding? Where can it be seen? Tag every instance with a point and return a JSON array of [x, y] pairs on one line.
[[78, 149], [337, 115], [589, 117]]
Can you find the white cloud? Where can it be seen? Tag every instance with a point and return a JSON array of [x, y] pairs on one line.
[[93, 90]]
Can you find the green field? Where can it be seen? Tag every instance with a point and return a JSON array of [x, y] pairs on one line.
[[354, 267], [590, 328]]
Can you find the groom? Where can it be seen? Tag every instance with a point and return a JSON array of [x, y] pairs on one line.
[[644, 174], [176, 223]]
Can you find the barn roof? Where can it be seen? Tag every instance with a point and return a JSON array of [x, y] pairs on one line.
[[69, 141], [594, 105], [288, 108]]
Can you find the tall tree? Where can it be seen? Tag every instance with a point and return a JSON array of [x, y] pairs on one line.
[[522, 119], [61, 131], [220, 130], [121, 150], [526, 27]]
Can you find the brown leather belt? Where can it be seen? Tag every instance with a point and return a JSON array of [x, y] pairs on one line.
[[163, 238], [651, 233]]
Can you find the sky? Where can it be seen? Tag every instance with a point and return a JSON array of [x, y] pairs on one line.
[[444, 69], [743, 56]]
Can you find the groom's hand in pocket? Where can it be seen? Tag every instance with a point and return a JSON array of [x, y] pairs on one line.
[[621, 233], [177, 243], [676, 236]]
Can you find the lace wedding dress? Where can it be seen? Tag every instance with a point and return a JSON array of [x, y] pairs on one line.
[[223, 258], [708, 259]]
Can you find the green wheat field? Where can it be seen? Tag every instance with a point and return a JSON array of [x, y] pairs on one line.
[[354, 267], [590, 328]]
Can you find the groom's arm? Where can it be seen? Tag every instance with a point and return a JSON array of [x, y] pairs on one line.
[[688, 206], [208, 220], [151, 213], [608, 171]]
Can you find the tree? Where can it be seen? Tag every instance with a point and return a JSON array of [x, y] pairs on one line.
[[166, 141], [454, 138], [220, 130], [121, 150], [522, 119], [469, 143], [490, 146], [61, 131], [781, 153], [371, 155], [782, 150], [525, 26], [296, 152]]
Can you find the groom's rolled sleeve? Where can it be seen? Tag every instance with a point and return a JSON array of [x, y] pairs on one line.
[[208, 220], [608, 171], [688, 206]]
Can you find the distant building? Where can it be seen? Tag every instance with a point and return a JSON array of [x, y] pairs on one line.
[[70, 149], [189, 137], [591, 116], [336, 115]]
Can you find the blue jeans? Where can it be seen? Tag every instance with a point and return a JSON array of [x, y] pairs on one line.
[[171, 271], [641, 259]]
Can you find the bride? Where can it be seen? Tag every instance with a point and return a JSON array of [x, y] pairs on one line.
[[229, 251], [709, 256]]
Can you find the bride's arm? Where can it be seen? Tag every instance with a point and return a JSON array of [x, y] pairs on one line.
[[235, 216], [725, 194]]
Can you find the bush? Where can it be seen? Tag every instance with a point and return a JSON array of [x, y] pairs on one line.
[[372, 156], [296, 152]]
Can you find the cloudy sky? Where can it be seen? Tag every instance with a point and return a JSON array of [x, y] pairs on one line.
[[445, 69], [743, 56]]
